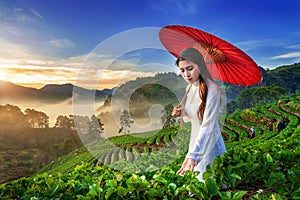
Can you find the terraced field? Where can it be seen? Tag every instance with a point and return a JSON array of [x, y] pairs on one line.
[[126, 148], [143, 166]]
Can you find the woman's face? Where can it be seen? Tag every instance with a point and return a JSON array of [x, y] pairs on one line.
[[189, 71]]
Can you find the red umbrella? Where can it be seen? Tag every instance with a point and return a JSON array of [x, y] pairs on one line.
[[225, 61]]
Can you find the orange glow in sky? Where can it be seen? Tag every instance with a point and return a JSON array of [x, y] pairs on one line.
[[26, 74]]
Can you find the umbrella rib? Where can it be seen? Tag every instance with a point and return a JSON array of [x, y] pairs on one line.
[[229, 74], [239, 69], [245, 69]]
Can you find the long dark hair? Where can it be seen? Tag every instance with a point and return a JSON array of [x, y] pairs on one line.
[[193, 55]]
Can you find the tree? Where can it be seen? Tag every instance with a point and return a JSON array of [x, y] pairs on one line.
[[126, 122], [81, 124], [11, 117], [72, 122], [43, 120], [167, 119], [96, 127], [36, 119], [65, 122]]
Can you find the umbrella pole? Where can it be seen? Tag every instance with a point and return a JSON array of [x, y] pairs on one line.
[[185, 95]]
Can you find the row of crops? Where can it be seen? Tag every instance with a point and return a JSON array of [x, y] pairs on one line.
[[144, 167], [124, 149]]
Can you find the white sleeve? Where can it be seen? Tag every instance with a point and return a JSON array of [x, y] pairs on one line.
[[186, 118], [208, 134]]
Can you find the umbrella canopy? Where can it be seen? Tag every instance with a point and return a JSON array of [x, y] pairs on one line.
[[225, 61]]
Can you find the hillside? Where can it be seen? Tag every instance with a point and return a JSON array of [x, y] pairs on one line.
[[25, 151], [143, 166], [294, 68], [138, 96], [287, 77], [51, 93], [163, 87], [145, 99], [11, 91]]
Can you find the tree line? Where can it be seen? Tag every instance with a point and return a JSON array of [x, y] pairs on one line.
[[12, 118]]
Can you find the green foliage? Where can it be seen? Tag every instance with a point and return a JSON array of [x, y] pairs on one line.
[[285, 76], [255, 96], [232, 195], [265, 167]]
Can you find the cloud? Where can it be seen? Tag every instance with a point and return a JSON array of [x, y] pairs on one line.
[[295, 46], [21, 28], [62, 43], [10, 52], [297, 33], [18, 14], [253, 44], [184, 7], [21, 66], [28, 75], [37, 14], [177, 7], [108, 78], [286, 56]]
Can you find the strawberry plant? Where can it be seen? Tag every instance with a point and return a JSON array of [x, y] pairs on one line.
[[265, 167]]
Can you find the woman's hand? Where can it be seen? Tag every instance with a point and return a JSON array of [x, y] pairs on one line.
[[187, 165], [178, 111]]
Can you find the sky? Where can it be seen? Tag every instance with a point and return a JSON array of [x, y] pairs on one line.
[[69, 41]]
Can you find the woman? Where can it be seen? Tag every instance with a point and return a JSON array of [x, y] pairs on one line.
[[202, 107]]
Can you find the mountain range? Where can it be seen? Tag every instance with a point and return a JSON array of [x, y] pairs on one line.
[[51, 93], [287, 77]]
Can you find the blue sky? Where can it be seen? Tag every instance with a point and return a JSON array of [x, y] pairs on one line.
[[47, 41]]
